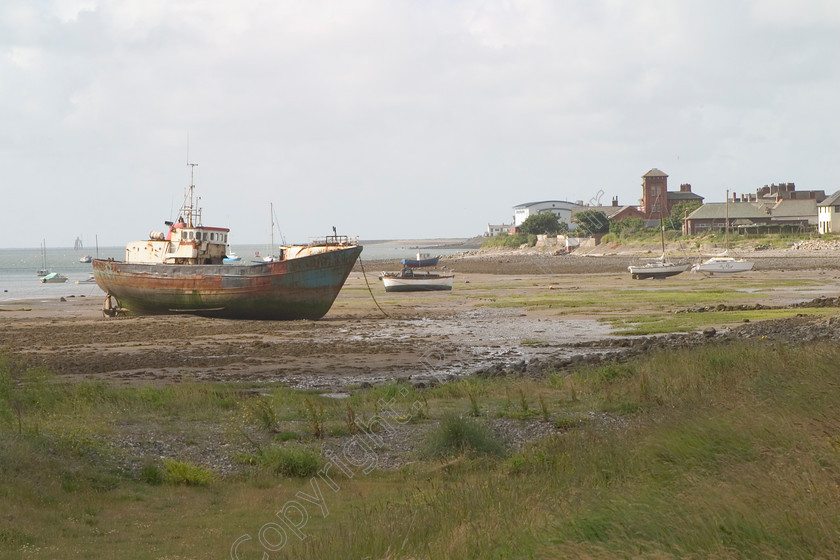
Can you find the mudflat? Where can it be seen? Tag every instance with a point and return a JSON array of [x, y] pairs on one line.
[[495, 314]]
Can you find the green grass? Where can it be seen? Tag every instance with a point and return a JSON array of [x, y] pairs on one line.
[[688, 322], [727, 450]]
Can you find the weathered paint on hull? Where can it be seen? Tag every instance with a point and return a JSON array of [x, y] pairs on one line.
[[300, 288]]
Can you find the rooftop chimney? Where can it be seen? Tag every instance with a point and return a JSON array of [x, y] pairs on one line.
[[615, 202], [685, 187]]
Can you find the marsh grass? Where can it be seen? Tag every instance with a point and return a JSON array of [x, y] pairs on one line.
[[726, 450], [291, 460], [457, 435], [174, 471], [624, 299]]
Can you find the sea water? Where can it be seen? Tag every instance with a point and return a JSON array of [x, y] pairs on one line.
[[19, 281]]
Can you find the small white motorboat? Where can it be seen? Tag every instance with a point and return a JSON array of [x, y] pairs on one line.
[[407, 280]]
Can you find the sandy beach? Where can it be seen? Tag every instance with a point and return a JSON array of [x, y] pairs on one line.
[[425, 337]]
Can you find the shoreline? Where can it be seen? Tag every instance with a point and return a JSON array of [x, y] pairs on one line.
[[536, 261]]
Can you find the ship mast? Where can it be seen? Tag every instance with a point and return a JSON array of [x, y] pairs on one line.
[[727, 221], [190, 210]]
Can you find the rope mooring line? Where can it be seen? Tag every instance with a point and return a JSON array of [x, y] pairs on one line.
[[371, 290]]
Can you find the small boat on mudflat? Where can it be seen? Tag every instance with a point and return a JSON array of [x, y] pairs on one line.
[[85, 259], [407, 280], [423, 259], [183, 271], [658, 268], [723, 263]]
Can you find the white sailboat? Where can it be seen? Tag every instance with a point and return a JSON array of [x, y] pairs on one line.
[[723, 263], [43, 271], [658, 268]]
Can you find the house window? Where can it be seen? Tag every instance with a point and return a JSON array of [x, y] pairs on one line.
[[837, 208]]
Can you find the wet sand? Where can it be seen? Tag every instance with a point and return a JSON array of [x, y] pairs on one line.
[[434, 336]]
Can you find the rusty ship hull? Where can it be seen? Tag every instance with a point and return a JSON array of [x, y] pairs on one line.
[[299, 288]]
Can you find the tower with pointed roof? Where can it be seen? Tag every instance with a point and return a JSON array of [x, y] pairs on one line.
[[655, 194]]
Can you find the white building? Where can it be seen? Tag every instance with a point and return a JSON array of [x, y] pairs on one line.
[[560, 208], [828, 214], [496, 229]]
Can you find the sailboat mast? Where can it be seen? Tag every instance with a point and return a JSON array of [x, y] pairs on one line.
[[662, 236], [661, 225], [271, 209], [727, 220]]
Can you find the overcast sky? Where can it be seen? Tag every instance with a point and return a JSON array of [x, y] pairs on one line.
[[400, 119]]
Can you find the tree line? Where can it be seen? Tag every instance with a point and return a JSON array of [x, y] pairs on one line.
[[591, 222]]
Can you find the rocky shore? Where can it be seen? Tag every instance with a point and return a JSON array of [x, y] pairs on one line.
[[793, 330]]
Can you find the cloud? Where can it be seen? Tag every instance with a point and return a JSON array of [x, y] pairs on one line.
[[403, 119]]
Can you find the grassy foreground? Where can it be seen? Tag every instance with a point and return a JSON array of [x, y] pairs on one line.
[[729, 451]]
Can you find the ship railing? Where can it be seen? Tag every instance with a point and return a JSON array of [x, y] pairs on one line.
[[340, 240]]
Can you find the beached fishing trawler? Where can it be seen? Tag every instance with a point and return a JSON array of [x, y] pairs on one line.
[[183, 271]]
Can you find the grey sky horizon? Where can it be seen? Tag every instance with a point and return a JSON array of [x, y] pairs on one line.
[[402, 119]]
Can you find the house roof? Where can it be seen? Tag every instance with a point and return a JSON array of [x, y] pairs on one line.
[[737, 210], [680, 195], [529, 204], [831, 200], [609, 211], [793, 208], [655, 173]]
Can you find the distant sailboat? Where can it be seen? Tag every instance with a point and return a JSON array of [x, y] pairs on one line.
[[660, 267], [43, 271], [723, 263]]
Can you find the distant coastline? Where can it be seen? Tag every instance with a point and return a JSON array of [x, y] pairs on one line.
[[465, 243]]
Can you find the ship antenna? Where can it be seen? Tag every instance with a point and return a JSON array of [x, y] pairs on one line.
[[191, 209]]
